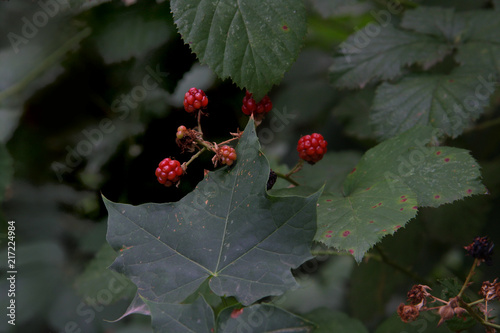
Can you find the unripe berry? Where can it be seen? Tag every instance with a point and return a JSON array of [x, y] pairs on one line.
[[312, 147], [168, 172], [194, 100], [227, 155], [181, 131]]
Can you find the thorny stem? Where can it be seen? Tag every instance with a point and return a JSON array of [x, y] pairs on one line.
[[469, 276], [287, 178], [195, 156]]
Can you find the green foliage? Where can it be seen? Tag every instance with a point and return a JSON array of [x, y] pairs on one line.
[[219, 253], [379, 196], [252, 42], [428, 39], [195, 317], [227, 230], [97, 278]]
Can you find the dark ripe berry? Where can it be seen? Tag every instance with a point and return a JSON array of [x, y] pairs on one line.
[[181, 131], [169, 172], [258, 109], [312, 147], [194, 100], [271, 180], [227, 155], [481, 248]]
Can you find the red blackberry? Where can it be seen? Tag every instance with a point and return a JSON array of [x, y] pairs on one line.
[[312, 147], [195, 99], [258, 109], [169, 172], [227, 155]]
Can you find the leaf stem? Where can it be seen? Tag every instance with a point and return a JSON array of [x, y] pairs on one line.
[[45, 64]]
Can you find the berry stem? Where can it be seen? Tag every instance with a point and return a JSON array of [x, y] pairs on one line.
[[195, 156], [476, 302], [206, 144], [199, 123], [287, 178], [474, 315], [296, 168], [469, 276], [227, 141]]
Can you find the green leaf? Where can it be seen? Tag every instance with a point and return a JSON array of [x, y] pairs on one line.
[[253, 42], [448, 102], [227, 230], [383, 56], [338, 8], [360, 219], [328, 321], [335, 166], [437, 21], [6, 170], [481, 45], [385, 188], [261, 318], [96, 278], [353, 112], [197, 317], [127, 35]]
